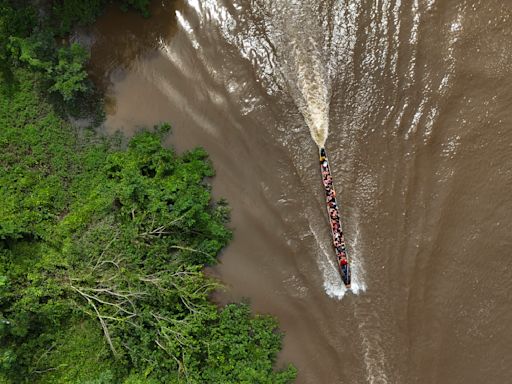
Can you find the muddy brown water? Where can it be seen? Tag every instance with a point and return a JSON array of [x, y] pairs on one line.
[[417, 98]]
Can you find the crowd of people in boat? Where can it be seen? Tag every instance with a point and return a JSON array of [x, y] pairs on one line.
[[338, 239]]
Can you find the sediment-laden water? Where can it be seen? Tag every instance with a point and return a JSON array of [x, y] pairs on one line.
[[413, 100]]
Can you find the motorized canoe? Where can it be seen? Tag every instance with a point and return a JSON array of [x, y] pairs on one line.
[[333, 215]]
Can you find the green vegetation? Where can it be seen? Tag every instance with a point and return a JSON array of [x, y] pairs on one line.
[[29, 37], [102, 245]]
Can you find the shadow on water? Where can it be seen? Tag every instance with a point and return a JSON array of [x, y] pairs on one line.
[[120, 37]]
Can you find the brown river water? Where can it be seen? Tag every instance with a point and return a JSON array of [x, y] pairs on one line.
[[414, 100]]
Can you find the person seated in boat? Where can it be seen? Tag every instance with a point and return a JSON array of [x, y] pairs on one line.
[[334, 214], [343, 261], [325, 164]]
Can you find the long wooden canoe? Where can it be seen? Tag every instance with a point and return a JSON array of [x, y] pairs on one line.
[[333, 215]]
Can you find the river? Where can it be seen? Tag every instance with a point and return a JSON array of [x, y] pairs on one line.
[[414, 100]]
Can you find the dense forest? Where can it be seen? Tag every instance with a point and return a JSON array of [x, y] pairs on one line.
[[103, 240]]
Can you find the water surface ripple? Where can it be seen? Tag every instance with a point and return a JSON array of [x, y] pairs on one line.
[[412, 99]]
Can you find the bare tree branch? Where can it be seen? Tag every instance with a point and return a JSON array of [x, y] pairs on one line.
[[100, 318]]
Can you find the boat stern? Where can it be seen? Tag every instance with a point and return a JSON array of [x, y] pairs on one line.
[[345, 274]]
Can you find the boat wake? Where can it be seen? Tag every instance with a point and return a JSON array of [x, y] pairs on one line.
[[296, 57], [313, 94], [332, 283], [313, 87], [358, 272]]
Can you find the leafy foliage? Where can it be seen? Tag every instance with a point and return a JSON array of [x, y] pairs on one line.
[[36, 160], [69, 13], [30, 38], [13, 22], [69, 73], [101, 258]]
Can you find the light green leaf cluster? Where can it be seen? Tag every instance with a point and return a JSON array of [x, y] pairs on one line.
[[69, 72]]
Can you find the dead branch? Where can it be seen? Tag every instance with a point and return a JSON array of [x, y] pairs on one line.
[[100, 318], [190, 249], [161, 230]]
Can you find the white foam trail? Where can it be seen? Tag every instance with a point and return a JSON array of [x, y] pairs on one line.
[[314, 100], [358, 273], [374, 359], [374, 355], [299, 56], [333, 285], [305, 73]]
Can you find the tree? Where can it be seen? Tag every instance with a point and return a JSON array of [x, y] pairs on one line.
[[119, 271], [13, 22], [102, 247], [69, 75]]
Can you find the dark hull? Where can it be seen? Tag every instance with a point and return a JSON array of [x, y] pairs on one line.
[[334, 220]]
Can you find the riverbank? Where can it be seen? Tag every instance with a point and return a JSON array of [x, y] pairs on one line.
[[103, 241]]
